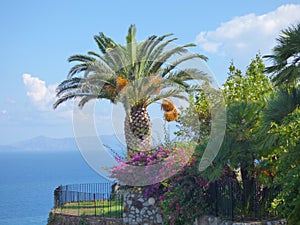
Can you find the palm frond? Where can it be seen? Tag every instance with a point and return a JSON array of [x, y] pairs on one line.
[[286, 75], [62, 89], [274, 113], [118, 59], [101, 58], [155, 44], [78, 68], [68, 96], [86, 99], [143, 65], [81, 58], [104, 43], [166, 55], [98, 67], [95, 54], [152, 55], [194, 88], [181, 60], [131, 44], [286, 57], [144, 46], [113, 52], [172, 93], [186, 78]]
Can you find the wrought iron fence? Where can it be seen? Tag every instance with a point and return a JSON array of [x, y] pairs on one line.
[[228, 198], [98, 199], [241, 201]]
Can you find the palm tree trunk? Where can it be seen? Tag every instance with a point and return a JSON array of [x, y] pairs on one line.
[[137, 130]]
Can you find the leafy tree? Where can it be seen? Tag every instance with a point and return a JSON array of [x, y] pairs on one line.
[[279, 149], [283, 159], [279, 132], [245, 97], [286, 57], [194, 121], [253, 87], [280, 104], [137, 75]]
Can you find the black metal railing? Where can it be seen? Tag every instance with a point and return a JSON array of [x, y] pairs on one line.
[[229, 199], [241, 201], [98, 199]]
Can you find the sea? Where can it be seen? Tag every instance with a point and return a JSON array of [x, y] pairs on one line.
[[28, 179]]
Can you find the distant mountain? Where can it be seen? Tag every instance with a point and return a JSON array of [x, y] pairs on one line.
[[42, 143], [47, 144], [8, 148]]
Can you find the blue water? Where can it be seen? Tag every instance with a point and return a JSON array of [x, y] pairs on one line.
[[27, 182]]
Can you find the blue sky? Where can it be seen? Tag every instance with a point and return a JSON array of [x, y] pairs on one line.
[[37, 37]]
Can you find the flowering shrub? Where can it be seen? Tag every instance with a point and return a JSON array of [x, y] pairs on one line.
[[151, 167], [185, 197], [175, 183]]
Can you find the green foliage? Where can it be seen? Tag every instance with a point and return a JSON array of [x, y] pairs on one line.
[[294, 216], [194, 121], [286, 58], [279, 144], [263, 128], [136, 75], [83, 220], [245, 97], [51, 218], [284, 161], [253, 87], [145, 68], [185, 197], [239, 144], [262, 138]]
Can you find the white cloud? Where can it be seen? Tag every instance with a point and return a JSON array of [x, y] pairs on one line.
[[10, 101], [246, 35], [41, 95], [4, 115]]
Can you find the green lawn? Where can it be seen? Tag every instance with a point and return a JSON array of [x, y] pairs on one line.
[[103, 208]]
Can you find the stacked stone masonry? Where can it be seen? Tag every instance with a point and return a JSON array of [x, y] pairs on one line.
[[66, 219], [211, 220], [139, 210]]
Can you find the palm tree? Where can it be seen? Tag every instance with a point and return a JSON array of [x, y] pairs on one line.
[[286, 57], [137, 75], [282, 103]]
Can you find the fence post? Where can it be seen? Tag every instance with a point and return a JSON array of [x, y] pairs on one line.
[[231, 200], [57, 197], [82, 195], [216, 195], [95, 203], [78, 203]]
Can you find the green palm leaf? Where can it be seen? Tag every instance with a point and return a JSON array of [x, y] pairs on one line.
[[286, 57], [136, 74]]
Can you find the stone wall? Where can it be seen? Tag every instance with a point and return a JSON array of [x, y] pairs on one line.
[[139, 210], [66, 219], [211, 220]]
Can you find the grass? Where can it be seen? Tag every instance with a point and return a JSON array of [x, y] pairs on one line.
[[103, 208]]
